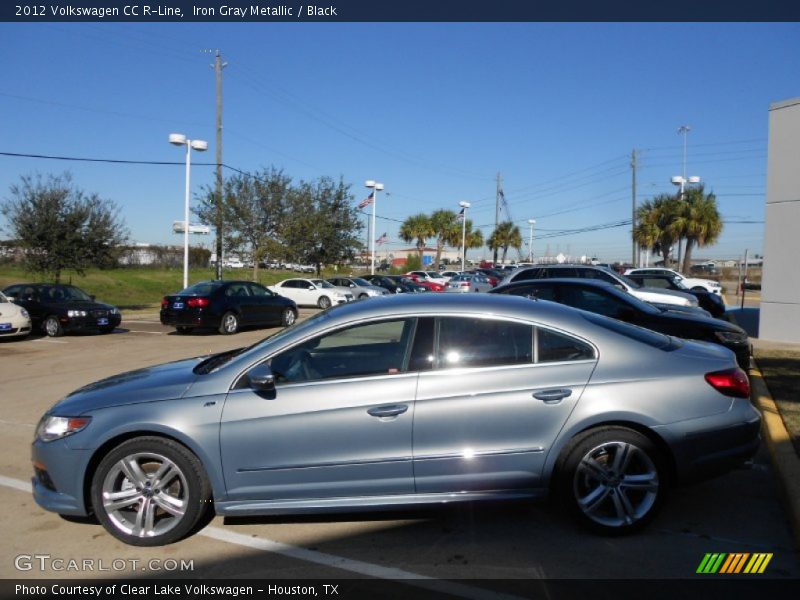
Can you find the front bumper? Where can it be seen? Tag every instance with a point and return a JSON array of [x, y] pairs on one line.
[[90, 323], [58, 481]]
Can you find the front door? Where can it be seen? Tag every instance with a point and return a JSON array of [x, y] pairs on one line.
[[339, 423]]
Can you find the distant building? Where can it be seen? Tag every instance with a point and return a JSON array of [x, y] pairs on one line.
[[780, 279]]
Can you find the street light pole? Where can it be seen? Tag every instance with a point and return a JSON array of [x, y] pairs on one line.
[[375, 187], [464, 206], [531, 222], [178, 139]]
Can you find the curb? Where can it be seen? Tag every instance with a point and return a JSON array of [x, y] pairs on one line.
[[781, 451]]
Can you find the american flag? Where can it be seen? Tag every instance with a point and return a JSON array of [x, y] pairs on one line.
[[368, 200], [460, 216], [382, 240]]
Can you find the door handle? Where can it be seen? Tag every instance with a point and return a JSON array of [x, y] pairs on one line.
[[552, 396], [388, 411]]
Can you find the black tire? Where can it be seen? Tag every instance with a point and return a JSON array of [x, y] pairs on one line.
[[52, 327], [130, 471], [182, 330], [612, 479], [229, 323], [362, 296], [288, 317], [324, 302]]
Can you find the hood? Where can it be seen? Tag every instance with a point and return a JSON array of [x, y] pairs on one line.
[[79, 305], [161, 382], [662, 292]]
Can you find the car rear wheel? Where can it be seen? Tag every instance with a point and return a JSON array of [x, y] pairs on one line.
[[288, 317], [324, 302], [229, 323], [613, 479], [150, 491], [52, 326]]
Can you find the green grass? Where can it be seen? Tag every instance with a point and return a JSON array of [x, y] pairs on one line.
[[140, 287], [781, 370]]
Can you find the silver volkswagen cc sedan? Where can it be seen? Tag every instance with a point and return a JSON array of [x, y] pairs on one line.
[[404, 401]]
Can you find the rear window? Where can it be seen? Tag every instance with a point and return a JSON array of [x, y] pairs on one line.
[[640, 334], [204, 288]]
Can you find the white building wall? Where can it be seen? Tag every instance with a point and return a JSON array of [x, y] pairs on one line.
[[780, 282]]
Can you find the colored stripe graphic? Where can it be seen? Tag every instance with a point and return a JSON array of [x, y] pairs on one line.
[[734, 563]]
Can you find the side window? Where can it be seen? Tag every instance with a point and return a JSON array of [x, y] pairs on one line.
[[593, 301], [14, 291], [529, 274], [422, 354], [472, 342], [654, 282], [377, 348], [552, 346], [601, 275], [545, 292], [259, 291], [237, 290]]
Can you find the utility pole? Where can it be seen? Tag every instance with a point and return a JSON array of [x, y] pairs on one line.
[[497, 210], [633, 208], [218, 66]]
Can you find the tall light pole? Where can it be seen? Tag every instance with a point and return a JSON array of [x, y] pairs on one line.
[[464, 206], [375, 187], [178, 139], [531, 222], [682, 180]]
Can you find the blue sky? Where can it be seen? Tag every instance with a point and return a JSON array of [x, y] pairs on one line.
[[434, 111]]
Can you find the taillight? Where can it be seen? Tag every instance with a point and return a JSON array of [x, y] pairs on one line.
[[465, 284], [732, 382], [198, 302], [165, 302]]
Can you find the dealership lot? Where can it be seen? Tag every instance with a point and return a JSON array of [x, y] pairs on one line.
[[739, 512]]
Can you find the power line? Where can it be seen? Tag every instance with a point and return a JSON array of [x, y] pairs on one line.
[[105, 160]]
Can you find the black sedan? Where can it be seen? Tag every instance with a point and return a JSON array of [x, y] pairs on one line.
[[605, 299], [705, 299], [226, 306], [397, 284], [59, 309]]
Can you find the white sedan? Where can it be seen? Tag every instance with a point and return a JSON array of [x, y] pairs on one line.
[[691, 283], [311, 292], [14, 320]]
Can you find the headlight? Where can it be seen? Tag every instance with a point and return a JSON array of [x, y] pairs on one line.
[[76, 313], [731, 337], [24, 313], [113, 311], [53, 428]]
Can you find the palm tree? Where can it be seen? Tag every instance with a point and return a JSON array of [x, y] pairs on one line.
[[505, 236], [658, 225], [447, 230], [417, 228], [702, 222]]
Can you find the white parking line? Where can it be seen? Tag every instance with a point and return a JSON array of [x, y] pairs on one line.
[[150, 332], [327, 560], [142, 321], [51, 341]]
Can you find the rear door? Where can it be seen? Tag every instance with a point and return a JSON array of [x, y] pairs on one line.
[[267, 309], [490, 407]]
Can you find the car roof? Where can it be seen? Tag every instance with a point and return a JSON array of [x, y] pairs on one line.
[[597, 283]]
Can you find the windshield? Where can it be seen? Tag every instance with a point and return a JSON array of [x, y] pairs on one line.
[[678, 281], [359, 281], [433, 274], [628, 281], [64, 293], [322, 283]]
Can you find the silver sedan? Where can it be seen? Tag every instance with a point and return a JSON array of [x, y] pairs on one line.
[[402, 401], [469, 282]]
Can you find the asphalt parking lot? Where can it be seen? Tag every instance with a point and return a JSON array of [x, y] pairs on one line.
[[739, 512]]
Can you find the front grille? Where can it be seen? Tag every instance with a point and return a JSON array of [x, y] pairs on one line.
[[7, 331], [99, 313]]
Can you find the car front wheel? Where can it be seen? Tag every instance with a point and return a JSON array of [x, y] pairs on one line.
[[150, 491], [324, 302], [52, 326], [288, 317], [613, 479]]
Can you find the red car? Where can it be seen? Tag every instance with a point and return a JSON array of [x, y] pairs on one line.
[[429, 279]]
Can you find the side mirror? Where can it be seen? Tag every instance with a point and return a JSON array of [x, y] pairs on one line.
[[261, 378]]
